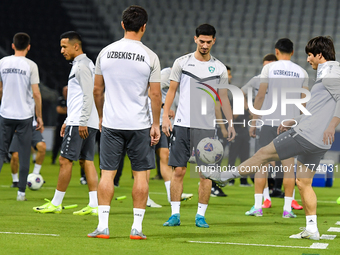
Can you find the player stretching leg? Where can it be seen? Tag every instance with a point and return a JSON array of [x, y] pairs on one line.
[[310, 139]]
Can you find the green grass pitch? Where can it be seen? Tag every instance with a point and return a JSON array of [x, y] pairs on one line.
[[228, 224]]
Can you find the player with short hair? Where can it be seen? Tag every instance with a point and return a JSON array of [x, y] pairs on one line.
[[260, 180], [310, 139], [254, 84], [278, 75], [80, 127], [189, 72], [126, 70], [20, 95]]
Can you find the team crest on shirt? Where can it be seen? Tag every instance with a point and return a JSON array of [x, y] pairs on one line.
[[211, 69]]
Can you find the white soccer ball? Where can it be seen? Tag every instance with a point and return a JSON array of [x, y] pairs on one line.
[[34, 181], [209, 150]]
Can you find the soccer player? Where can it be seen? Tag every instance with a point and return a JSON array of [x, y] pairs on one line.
[[254, 84], [260, 179], [189, 72], [281, 74], [37, 143], [310, 139], [80, 128], [126, 69], [19, 92], [62, 114], [239, 147]]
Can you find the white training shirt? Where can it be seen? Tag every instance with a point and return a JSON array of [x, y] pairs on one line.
[[253, 83], [282, 74], [323, 105], [81, 110], [127, 67], [191, 73], [165, 84], [17, 75]]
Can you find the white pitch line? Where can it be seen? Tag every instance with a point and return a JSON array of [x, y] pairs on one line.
[[324, 202], [321, 246], [157, 193], [8, 186], [33, 234], [331, 229], [328, 237], [337, 223]]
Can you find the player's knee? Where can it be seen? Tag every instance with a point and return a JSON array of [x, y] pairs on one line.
[[164, 153], [303, 183], [82, 163], [64, 161], [179, 172], [261, 153], [41, 147]]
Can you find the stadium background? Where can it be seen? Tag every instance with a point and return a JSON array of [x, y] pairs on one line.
[[246, 31]]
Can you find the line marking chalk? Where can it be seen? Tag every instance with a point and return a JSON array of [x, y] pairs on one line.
[[33, 234], [321, 246]]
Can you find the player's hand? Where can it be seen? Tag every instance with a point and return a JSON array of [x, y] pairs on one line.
[[40, 124], [328, 136], [286, 125], [171, 114], [100, 124], [224, 132], [231, 133], [62, 130], [83, 132], [155, 135], [166, 126], [252, 132]]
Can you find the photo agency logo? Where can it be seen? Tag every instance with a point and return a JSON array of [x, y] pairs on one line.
[[204, 98], [280, 97]]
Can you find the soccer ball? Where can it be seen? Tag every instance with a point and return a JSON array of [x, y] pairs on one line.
[[34, 181], [209, 150]]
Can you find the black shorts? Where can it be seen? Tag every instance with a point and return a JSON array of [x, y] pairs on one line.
[[163, 141], [257, 139], [267, 134], [113, 143], [74, 147], [290, 144], [36, 138], [182, 140]]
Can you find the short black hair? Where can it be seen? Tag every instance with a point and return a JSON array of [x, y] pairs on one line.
[[134, 17], [323, 45], [21, 41], [228, 67], [205, 29], [269, 57], [284, 45], [72, 35]]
